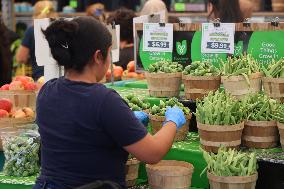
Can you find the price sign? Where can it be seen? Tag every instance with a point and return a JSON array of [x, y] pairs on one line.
[[157, 37], [218, 39]]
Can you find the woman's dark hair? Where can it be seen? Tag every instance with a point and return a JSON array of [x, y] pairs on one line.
[[5, 55], [227, 10], [74, 42], [124, 18]]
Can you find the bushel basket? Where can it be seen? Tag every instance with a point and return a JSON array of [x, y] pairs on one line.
[[197, 87], [157, 123], [274, 87], [170, 175], [20, 99], [132, 167], [281, 132], [214, 136], [238, 86], [164, 84], [232, 182], [260, 134]]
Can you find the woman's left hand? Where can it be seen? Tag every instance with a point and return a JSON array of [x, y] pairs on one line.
[[143, 117]]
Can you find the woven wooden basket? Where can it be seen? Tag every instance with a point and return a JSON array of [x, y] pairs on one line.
[[232, 182], [132, 168], [20, 98], [164, 84], [281, 132], [170, 175], [260, 134], [274, 87], [237, 85], [157, 123], [197, 87], [214, 136], [277, 5]]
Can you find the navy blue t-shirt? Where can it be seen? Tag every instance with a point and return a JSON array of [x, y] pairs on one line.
[[83, 129], [29, 42]]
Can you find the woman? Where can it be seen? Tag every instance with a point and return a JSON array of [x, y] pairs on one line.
[[86, 129], [124, 18], [6, 59], [226, 11], [26, 52]]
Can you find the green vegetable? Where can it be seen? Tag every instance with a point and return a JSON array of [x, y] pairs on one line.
[[275, 69], [136, 104], [201, 69], [21, 155], [161, 109], [165, 67], [229, 162], [279, 115], [259, 107], [219, 108], [244, 65]]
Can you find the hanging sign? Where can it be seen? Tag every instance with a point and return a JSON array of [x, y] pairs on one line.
[[158, 37], [218, 38]]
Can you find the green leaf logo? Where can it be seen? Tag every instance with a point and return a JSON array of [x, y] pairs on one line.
[[181, 47]]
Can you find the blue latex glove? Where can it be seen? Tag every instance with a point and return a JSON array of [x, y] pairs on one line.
[[175, 115], [143, 117]]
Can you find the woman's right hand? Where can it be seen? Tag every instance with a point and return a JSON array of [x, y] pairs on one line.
[[175, 115]]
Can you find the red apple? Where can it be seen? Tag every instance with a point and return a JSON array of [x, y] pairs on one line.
[[3, 113], [6, 104], [30, 86], [16, 85], [5, 87], [24, 79]]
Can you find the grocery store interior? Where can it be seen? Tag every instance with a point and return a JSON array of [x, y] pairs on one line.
[[141, 94]]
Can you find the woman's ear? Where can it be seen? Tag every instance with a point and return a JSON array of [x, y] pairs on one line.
[[98, 57]]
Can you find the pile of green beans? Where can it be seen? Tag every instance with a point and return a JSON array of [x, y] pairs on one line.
[[229, 162], [165, 67], [161, 109], [201, 69], [279, 115], [244, 65], [275, 69], [219, 108], [259, 107], [136, 104]]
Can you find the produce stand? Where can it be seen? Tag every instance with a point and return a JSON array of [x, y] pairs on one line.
[[270, 170]]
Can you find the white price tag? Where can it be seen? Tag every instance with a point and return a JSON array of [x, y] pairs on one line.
[[157, 37], [218, 39]]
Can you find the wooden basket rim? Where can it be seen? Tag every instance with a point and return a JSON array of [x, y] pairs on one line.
[[163, 75], [162, 118], [197, 78], [272, 80], [132, 161], [17, 120], [257, 75], [261, 123], [280, 125], [171, 163], [220, 128], [18, 92], [233, 179]]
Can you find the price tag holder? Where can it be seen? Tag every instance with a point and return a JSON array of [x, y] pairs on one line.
[[218, 39], [158, 37]]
